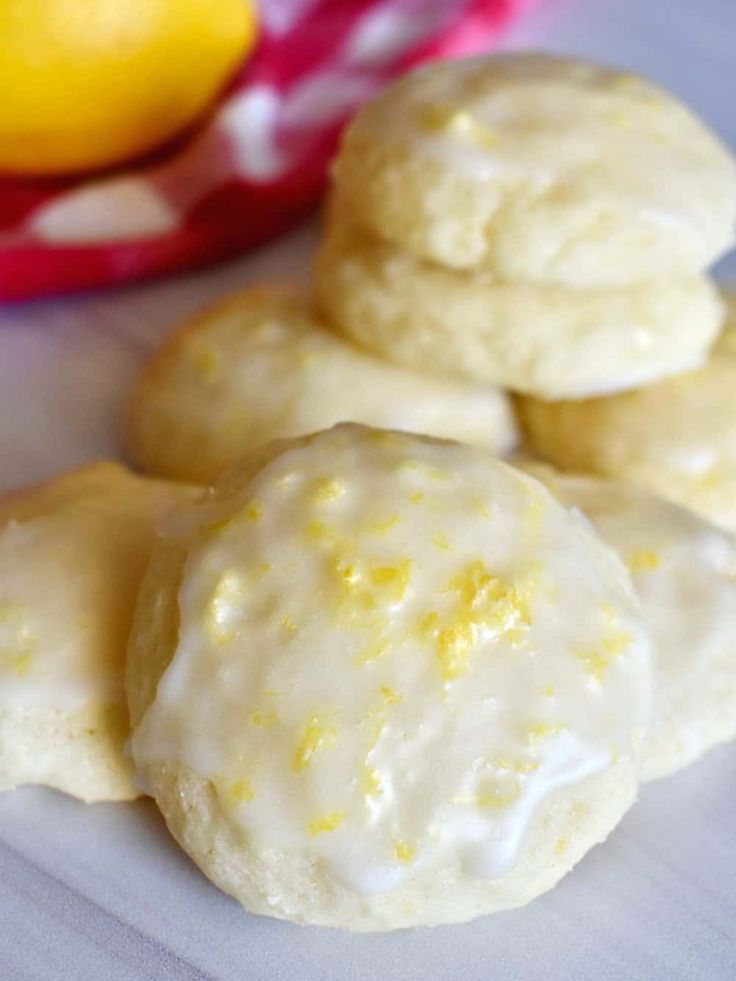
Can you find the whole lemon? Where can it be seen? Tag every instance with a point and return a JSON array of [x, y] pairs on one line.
[[88, 83]]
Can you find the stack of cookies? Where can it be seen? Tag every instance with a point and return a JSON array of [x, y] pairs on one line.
[[524, 223], [529, 221], [377, 679]]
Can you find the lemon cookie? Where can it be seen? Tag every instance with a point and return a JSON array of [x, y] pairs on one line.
[[72, 554], [379, 681], [544, 169], [548, 341], [677, 437], [259, 366], [684, 573]]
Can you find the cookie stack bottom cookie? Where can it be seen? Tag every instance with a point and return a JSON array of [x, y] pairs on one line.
[[551, 341]]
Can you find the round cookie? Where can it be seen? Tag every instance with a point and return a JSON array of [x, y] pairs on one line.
[[552, 342], [544, 169], [72, 554], [379, 680], [677, 437], [684, 573], [259, 366]]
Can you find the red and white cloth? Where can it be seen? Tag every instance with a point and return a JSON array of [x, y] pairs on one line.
[[255, 167]]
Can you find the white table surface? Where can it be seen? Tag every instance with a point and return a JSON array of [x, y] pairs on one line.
[[90, 893]]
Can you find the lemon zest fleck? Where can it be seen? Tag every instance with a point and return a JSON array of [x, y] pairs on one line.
[[390, 695], [229, 594], [328, 489], [372, 784], [240, 791], [381, 527], [643, 560], [253, 512], [326, 823], [405, 851], [318, 734]]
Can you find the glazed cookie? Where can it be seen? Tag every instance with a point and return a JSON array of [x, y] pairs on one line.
[[380, 680], [552, 342], [259, 366], [684, 573], [72, 554], [677, 437], [541, 168]]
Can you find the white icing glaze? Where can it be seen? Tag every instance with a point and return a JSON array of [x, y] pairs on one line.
[[684, 572], [390, 651], [72, 554]]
